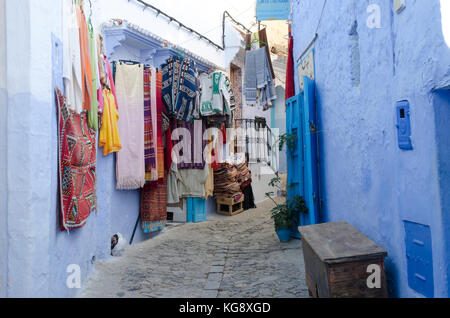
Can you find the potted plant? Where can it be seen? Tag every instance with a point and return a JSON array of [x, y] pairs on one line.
[[286, 215]]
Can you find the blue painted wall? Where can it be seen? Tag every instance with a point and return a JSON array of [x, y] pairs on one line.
[[278, 120], [34, 253], [361, 73]]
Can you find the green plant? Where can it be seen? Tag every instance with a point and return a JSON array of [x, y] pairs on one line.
[[287, 139], [286, 215]]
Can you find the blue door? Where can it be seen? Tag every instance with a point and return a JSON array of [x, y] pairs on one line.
[[302, 158]]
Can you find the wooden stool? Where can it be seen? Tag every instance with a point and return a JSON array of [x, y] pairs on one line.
[[339, 262], [227, 206]]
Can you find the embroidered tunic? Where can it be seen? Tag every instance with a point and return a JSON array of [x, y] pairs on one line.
[[217, 95]]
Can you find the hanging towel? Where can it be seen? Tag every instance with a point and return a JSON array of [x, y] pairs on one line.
[[250, 83], [290, 86], [151, 173], [109, 133], [130, 169], [154, 206]]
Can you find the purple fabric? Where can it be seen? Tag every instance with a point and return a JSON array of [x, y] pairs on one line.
[[196, 152]]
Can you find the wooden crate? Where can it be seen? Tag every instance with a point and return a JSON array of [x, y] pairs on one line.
[[227, 206], [337, 257]]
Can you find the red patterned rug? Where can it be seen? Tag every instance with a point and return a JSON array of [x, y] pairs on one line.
[[77, 166]]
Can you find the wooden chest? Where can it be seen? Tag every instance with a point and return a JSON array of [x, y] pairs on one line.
[[228, 207], [340, 262]]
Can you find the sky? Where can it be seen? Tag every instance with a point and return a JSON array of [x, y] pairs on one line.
[[208, 21]]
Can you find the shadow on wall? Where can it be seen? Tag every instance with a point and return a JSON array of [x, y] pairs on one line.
[[445, 18], [442, 117]]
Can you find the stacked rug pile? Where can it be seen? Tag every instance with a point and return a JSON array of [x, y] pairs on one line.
[[226, 184], [244, 175]]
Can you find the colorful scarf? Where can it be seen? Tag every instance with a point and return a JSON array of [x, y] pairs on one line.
[[130, 170], [151, 173], [290, 85], [77, 166], [160, 140], [154, 206], [86, 68]]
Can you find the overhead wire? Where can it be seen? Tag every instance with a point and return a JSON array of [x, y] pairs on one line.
[[201, 36]]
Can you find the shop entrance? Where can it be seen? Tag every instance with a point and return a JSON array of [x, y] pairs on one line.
[[302, 151]]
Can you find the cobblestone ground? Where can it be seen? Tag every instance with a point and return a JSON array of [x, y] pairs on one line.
[[226, 257]]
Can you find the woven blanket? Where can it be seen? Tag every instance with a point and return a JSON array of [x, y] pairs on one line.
[[77, 166], [154, 206], [160, 139], [151, 173], [130, 170]]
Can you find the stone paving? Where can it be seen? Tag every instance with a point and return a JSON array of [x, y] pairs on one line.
[[226, 257]]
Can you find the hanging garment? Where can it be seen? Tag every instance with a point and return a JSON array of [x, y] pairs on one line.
[[103, 76], [151, 173], [111, 80], [168, 148], [194, 144], [130, 170], [93, 111], [77, 166], [209, 185], [249, 199], [187, 183], [180, 86], [173, 193], [217, 95], [259, 39], [72, 59], [154, 206], [86, 68], [109, 137], [258, 85], [290, 85]]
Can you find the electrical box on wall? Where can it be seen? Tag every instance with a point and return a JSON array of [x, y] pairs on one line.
[[399, 5], [404, 125]]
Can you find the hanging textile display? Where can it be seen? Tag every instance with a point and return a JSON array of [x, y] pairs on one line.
[[290, 85], [217, 95], [180, 85], [109, 138], [93, 111], [77, 166], [259, 39], [151, 173], [258, 82], [72, 59], [194, 146], [159, 135], [154, 206], [130, 170], [86, 69]]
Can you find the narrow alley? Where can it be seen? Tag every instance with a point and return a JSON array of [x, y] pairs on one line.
[[225, 258]]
